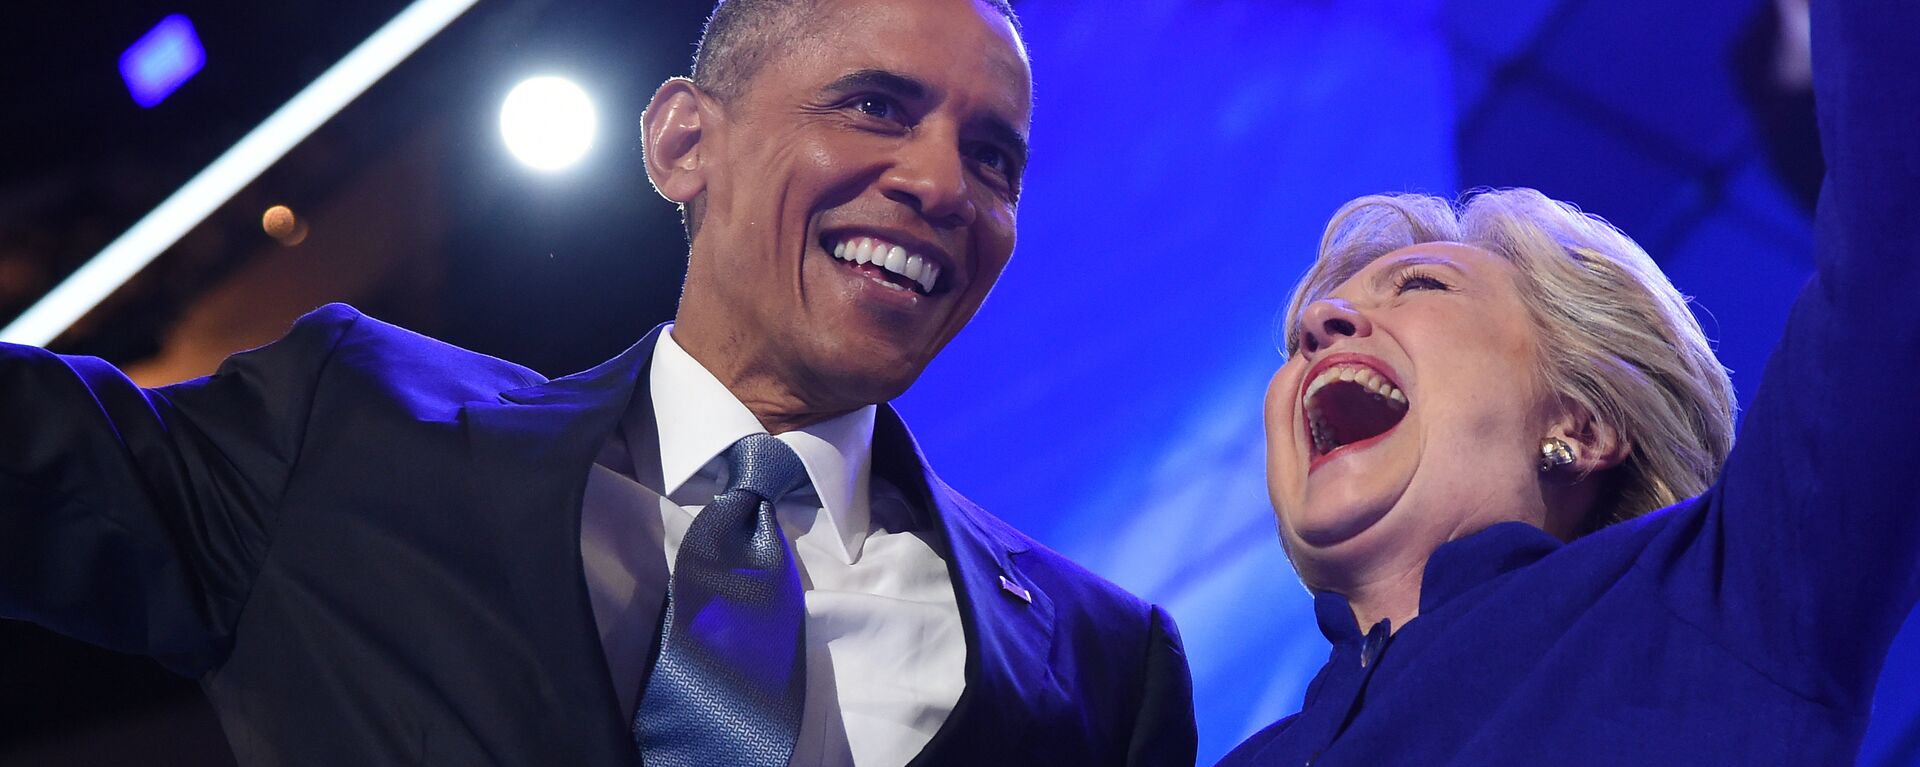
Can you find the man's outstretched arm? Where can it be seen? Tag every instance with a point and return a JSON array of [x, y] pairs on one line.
[[136, 519]]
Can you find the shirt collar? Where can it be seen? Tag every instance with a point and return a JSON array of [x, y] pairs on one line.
[[698, 418]]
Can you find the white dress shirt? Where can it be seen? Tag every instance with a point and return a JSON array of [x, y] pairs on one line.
[[886, 655]]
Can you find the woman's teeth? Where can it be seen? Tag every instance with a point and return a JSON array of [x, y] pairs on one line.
[[1333, 421], [893, 258], [1374, 382]]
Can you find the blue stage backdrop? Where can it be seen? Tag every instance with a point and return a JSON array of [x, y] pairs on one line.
[[1187, 153]]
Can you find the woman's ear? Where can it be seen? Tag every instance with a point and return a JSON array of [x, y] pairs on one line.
[[675, 125], [1596, 445]]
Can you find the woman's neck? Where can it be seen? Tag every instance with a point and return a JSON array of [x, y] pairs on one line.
[[1392, 594]]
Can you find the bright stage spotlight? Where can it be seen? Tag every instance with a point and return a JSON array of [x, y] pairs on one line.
[[548, 122]]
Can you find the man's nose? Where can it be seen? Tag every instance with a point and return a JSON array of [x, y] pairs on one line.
[[1328, 320], [929, 175]]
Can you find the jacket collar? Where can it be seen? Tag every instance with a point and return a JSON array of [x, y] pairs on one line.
[[1008, 618], [1462, 564], [532, 448], [1457, 567]]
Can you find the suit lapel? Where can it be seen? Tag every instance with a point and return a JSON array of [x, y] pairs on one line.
[[532, 450], [1006, 617]]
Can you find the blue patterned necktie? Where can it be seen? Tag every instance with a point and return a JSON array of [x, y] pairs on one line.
[[731, 675]]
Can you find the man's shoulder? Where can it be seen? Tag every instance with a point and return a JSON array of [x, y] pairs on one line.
[[369, 351]]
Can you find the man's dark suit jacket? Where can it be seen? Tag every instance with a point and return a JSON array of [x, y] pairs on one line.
[[366, 545]]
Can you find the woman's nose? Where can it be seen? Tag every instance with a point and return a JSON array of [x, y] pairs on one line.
[[1329, 319]]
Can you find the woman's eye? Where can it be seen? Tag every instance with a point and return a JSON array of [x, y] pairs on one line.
[[1416, 281]]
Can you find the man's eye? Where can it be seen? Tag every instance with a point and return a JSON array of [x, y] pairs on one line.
[[992, 157], [877, 106]]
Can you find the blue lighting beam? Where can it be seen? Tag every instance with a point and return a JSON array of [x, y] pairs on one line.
[[162, 60]]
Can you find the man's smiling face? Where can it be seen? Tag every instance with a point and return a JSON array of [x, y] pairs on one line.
[[857, 198]]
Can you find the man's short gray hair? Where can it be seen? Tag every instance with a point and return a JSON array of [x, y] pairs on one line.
[[742, 35]]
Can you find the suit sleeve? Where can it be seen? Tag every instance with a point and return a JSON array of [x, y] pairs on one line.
[[136, 519], [1810, 544], [1163, 728]]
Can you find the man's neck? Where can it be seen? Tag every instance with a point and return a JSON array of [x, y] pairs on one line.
[[778, 410], [771, 395]]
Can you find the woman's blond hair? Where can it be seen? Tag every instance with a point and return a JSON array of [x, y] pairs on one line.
[[1616, 338]]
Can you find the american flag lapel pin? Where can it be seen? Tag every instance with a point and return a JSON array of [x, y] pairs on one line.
[[1019, 592]]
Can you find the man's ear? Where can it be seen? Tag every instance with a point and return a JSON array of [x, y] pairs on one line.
[[1597, 446], [675, 124]]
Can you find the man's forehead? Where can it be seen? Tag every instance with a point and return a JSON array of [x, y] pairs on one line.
[[944, 45]]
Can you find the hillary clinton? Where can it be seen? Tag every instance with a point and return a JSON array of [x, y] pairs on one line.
[[1501, 454]]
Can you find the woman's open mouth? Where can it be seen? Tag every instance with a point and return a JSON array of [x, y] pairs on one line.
[[1349, 405]]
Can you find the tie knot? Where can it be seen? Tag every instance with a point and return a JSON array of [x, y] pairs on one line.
[[763, 465]]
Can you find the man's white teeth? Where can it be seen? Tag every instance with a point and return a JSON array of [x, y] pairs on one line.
[[891, 257], [1365, 376]]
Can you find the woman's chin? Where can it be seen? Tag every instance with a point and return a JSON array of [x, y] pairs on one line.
[[1335, 529]]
